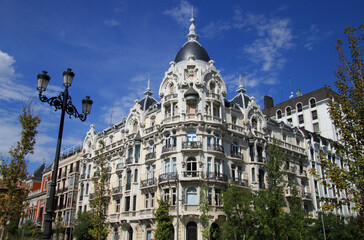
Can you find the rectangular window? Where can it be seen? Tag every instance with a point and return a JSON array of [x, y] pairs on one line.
[[174, 196], [166, 195], [209, 196], [316, 128], [233, 168], [127, 204], [137, 153], [300, 119], [217, 197], [134, 202], [167, 166], [174, 166], [151, 200], [117, 209], [314, 115], [251, 150], [191, 137], [146, 200], [240, 173]]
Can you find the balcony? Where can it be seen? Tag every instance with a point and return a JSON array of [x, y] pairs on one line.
[[216, 176], [92, 196], [215, 147], [96, 175], [149, 156], [170, 96], [167, 177], [235, 127], [292, 170], [151, 182], [169, 148], [306, 196], [169, 119], [119, 168], [113, 218], [116, 190], [192, 145], [240, 182], [213, 95], [149, 130], [192, 174], [237, 155]]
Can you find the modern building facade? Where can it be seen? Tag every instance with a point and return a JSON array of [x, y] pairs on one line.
[[310, 112]]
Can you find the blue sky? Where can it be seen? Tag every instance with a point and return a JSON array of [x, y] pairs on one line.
[[115, 46]]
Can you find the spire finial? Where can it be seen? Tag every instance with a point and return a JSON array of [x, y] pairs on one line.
[[241, 88], [192, 36], [148, 90]]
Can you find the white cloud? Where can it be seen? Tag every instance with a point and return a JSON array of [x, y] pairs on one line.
[[10, 88], [314, 36], [111, 22], [181, 13], [213, 29], [239, 21], [274, 37], [140, 78]]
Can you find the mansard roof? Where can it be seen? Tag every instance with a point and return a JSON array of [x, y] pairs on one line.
[[319, 94]]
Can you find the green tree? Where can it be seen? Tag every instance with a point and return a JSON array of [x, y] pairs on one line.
[[164, 221], [100, 203], [205, 218], [14, 173], [239, 211], [297, 218], [82, 226], [336, 227], [269, 202], [347, 113]]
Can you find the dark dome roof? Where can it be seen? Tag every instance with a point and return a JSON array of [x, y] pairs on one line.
[[192, 48]]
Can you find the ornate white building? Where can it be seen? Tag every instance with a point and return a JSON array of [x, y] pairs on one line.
[[169, 149]]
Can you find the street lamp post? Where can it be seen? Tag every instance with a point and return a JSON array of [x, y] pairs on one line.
[[64, 102]]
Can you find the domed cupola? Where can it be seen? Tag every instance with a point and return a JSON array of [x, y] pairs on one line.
[[192, 47]]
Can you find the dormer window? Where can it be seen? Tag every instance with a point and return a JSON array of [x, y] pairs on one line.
[[312, 103], [299, 107], [288, 111], [279, 114]]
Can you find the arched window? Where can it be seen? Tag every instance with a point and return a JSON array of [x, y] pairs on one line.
[[312, 103], [135, 126], [171, 88], [191, 196], [191, 231], [215, 232], [299, 107], [254, 123], [212, 87], [288, 111], [279, 114]]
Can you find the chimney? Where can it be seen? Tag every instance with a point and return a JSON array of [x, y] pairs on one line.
[[299, 94], [268, 102]]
